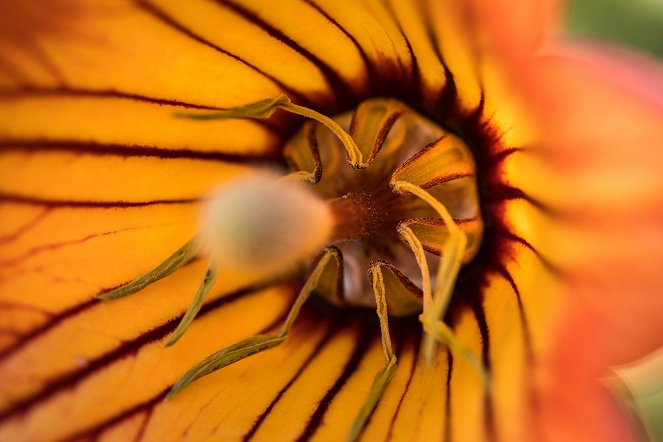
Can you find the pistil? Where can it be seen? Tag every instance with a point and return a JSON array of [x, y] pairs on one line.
[[359, 217]]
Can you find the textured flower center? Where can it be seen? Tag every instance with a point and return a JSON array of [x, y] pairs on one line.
[[370, 212]]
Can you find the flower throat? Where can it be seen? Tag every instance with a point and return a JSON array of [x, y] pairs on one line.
[[380, 202]]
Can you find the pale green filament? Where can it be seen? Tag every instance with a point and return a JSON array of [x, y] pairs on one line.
[[175, 261], [266, 108], [254, 344], [384, 376], [434, 308], [205, 286]]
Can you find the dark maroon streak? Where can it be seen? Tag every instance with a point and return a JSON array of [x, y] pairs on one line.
[[534, 406], [527, 334], [416, 82], [93, 433], [448, 425], [506, 153], [10, 198], [20, 231], [370, 68], [71, 379], [364, 341], [56, 319], [331, 332], [143, 425], [170, 21], [53, 321], [488, 405], [416, 344], [497, 248], [9, 305], [552, 268], [54, 246], [397, 328], [97, 429], [30, 91], [448, 98], [338, 86], [71, 91], [42, 57], [270, 327], [184, 435], [507, 192], [9, 331], [95, 148]]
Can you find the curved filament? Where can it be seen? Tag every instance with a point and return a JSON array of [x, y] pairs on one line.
[[175, 261], [254, 344], [266, 108]]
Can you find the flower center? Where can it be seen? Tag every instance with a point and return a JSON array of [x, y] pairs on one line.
[[370, 212], [392, 195]]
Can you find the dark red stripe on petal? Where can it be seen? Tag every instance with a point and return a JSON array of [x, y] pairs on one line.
[[93, 433], [370, 68], [506, 153], [12, 198], [527, 334], [338, 86], [54, 246], [68, 380], [448, 425], [552, 268], [31, 91], [20, 231], [143, 426], [71, 91], [97, 429], [337, 324], [447, 100], [444, 179], [173, 23], [54, 320], [415, 74], [364, 342], [502, 192], [416, 344], [488, 405], [95, 148]]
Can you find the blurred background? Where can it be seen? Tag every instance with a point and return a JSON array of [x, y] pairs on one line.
[[633, 23], [636, 24]]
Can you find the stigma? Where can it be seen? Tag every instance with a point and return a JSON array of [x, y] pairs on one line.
[[262, 222]]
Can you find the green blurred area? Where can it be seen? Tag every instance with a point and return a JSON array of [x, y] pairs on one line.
[[639, 387], [634, 23], [650, 405]]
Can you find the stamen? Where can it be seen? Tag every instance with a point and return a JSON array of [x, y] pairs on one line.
[[254, 344], [448, 269], [384, 376], [444, 334], [175, 261], [266, 108], [195, 306], [418, 250]]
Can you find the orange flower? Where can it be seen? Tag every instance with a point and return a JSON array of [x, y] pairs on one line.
[[100, 182]]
